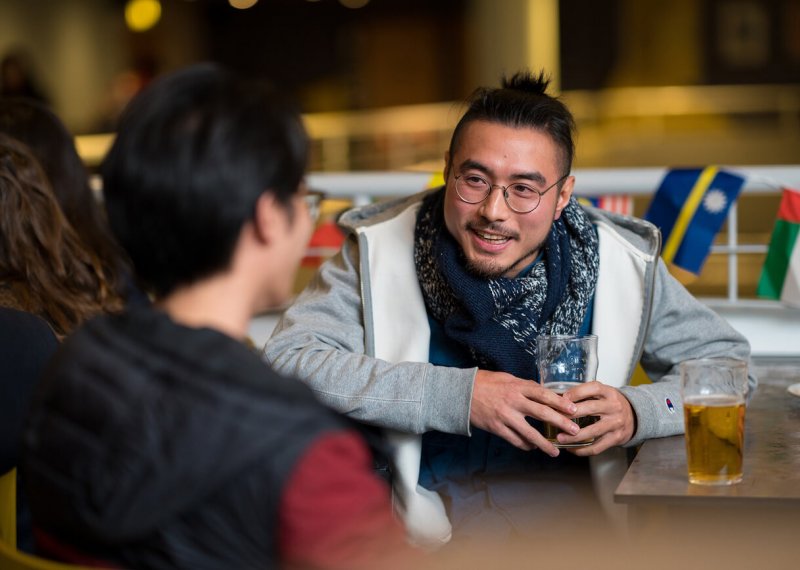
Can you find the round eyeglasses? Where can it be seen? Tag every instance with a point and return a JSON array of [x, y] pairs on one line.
[[519, 197]]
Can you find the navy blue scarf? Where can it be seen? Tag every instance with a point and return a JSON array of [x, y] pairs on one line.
[[498, 320]]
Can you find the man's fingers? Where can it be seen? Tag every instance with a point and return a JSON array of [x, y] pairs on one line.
[[559, 421], [537, 440], [537, 393], [528, 440], [591, 408], [534, 438], [604, 433], [514, 439], [502, 403], [591, 432], [599, 445], [587, 390]]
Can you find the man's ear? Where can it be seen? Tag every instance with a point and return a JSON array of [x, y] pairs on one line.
[[267, 218], [446, 172], [564, 195]]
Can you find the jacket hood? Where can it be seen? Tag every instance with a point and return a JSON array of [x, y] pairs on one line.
[[640, 233], [370, 214]]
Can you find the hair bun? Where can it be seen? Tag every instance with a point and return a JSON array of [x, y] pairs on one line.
[[527, 81]]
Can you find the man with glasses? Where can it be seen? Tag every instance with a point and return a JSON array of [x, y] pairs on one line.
[[426, 323]]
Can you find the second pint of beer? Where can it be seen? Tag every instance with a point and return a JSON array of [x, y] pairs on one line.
[[714, 392], [714, 438]]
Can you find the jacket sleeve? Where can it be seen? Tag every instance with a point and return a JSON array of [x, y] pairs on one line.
[[335, 514], [680, 328], [321, 340]]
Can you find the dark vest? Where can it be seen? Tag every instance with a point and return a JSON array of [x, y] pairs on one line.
[[153, 445]]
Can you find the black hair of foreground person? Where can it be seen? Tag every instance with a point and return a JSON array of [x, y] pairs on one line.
[[196, 152], [159, 439]]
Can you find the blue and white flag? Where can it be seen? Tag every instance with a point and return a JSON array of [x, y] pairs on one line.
[[690, 207]]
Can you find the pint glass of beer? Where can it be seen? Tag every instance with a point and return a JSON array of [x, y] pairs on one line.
[[714, 391], [564, 362]]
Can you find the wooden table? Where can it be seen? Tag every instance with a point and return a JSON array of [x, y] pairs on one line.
[[763, 508]]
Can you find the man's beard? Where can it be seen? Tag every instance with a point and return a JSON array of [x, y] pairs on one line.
[[491, 270]]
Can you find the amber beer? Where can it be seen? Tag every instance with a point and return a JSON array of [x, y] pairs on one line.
[[714, 438], [551, 431]]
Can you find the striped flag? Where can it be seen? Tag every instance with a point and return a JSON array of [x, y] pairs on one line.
[[780, 277], [690, 207], [617, 203]]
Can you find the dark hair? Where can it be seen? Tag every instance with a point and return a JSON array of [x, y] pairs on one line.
[[522, 101], [194, 151], [43, 132], [43, 263]]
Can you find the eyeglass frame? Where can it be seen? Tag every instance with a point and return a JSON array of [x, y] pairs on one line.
[[505, 193], [313, 201]]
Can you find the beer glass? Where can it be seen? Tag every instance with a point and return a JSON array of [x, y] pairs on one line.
[[714, 391], [564, 362]]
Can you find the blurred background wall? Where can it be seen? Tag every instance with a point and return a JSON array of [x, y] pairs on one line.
[[650, 81], [380, 82]]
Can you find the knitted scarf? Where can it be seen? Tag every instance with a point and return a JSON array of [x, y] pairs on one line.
[[498, 320]]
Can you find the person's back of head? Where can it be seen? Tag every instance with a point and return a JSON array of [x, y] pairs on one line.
[[194, 152], [522, 101], [35, 125], [44, 266]]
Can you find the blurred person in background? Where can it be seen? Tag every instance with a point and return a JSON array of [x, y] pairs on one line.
[[124, 87], [50, 282], [44, 133], [17, 78], [45, 267], [159, 440]]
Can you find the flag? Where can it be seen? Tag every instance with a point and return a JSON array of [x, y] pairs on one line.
[[617, 203], [327, 238], [326, 241], [436, 180], [690, 207], [780, 277]]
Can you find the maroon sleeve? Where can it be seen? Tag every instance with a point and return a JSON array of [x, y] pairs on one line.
[[336, 514]]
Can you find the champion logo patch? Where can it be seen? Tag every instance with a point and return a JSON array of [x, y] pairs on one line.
[[670, 407]]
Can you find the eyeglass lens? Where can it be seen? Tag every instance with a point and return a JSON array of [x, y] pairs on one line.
[[519, 197]]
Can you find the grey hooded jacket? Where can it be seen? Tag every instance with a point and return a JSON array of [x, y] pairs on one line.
[[359, 336]]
